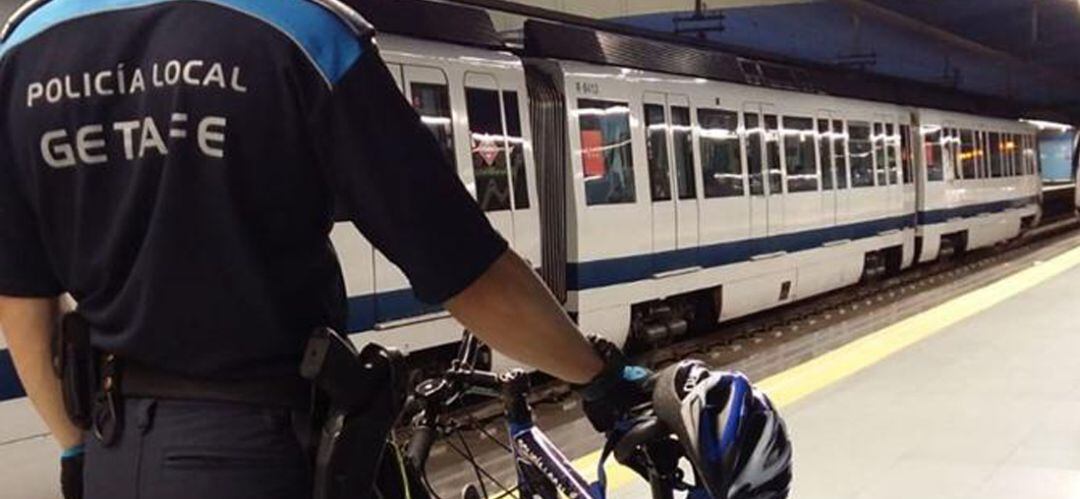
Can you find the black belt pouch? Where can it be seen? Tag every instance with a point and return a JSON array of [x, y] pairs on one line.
[[76, 363]]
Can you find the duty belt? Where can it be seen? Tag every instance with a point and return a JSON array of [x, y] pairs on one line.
[[143, 381]]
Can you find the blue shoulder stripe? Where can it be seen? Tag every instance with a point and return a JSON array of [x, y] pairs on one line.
[[327, 41]]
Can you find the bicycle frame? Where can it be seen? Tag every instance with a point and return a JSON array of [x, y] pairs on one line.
[[533, 448], [543, 471], [535, 455]]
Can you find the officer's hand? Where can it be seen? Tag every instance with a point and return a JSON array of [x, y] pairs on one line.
[[71, 473], [617, 390]]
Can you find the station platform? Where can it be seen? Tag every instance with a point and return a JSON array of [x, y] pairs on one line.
[[976, 398]]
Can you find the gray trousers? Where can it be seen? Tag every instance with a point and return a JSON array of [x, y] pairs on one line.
[[172, 449]]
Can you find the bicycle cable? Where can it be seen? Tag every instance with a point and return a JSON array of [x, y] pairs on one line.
[[470, 458], [476, 469]]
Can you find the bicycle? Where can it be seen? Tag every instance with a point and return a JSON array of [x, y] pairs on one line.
[[543, 471]]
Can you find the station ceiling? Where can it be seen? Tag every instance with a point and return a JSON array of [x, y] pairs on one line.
[[1046, 32], [1024, 50]]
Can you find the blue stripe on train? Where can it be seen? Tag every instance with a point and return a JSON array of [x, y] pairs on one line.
[[401, 304], [599, 273], [595, 274], [942, 216], [367, 310]]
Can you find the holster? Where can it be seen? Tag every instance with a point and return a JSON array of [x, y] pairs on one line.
[[76, 363], [364, 392]]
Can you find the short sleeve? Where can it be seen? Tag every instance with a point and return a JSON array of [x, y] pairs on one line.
[[396, 186], [24, 267]]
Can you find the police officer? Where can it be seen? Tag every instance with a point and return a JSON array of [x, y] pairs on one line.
[[173, 166]]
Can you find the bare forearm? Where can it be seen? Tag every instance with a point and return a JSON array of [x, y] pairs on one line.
[[28, 325], [510, 309]]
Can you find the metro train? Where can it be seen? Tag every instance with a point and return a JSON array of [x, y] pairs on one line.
[[656, 199]]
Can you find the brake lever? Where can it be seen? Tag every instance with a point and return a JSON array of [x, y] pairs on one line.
[[642, 433]]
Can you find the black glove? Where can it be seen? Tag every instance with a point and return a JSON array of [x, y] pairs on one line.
[[71, 473], [618, 389]]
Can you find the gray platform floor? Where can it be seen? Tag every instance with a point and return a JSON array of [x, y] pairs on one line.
[[988, 408]]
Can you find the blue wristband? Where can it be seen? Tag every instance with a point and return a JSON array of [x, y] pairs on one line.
[[71, 452]]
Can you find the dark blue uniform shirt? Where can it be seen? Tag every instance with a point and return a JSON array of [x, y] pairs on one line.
[[175, 166]]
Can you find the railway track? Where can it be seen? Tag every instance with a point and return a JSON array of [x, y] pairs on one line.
[[759, 345]]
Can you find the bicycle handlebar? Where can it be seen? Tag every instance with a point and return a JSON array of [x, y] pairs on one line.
[[469, 377]]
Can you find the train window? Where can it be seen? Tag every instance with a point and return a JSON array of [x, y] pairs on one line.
[[754, 164], [656, 140], [893, 146], [606, 153], [862, 163], [952, 153], [932, 152], [1024, 167], [905, 153], [996, 163], [772, 154], [683, 146], [825, 154], [1030, 154], [432, 103], [840, 154], [980, 155], [488, 149], [802, 172], [879, 155], [721, 153], [967, 154], [516, 142], [1017, 157], [1007, 156], [1015, 151]]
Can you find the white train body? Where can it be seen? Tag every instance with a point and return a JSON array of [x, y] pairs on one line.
[[754, 250], [747, 247], [982, 184]]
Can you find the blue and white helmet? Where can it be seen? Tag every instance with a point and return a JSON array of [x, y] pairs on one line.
[[729, 430]]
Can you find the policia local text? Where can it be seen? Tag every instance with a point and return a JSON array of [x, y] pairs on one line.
[[123, 81]]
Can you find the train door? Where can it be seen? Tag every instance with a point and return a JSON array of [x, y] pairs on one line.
[[428, 90], [672, 182], [826, 158], [775, 168], [842, 163], [687, 209], [359, 259], [756, 170], [498, 160], [487, 149], [658, 146]]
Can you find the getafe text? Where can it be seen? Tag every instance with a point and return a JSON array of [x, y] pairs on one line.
[[121, 80], [89, 144]]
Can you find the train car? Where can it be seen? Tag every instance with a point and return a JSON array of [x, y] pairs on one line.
[[692, 201], [979, 185]]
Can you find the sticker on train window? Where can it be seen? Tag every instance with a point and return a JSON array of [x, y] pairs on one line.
[[592, 147]]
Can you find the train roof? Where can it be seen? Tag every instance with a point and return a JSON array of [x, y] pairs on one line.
[[442, 22], [566, 42]]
